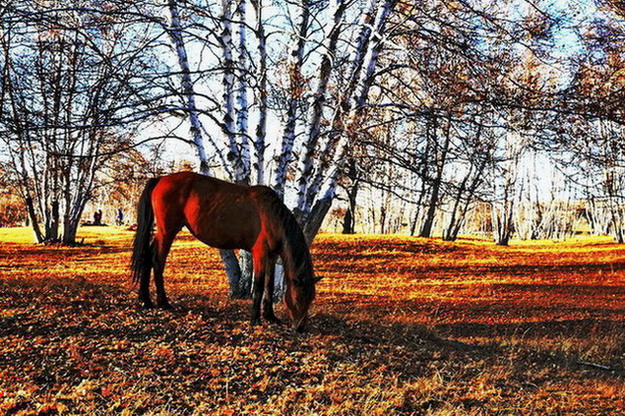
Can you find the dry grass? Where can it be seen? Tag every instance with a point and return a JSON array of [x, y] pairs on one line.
[[401, 326]]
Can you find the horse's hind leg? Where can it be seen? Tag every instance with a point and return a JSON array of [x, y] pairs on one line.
[[144, 284], [268, 313], [163, 245]]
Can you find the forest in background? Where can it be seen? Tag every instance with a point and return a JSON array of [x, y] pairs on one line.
[[443, 117]]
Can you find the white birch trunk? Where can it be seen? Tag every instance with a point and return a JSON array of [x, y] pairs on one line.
[[377, 39], [175, 33], [345, 104], [238, 269], [296, 58], [319, 211], [318, 101], [360, 94], [242, 102], [234, 153], [261, 127]]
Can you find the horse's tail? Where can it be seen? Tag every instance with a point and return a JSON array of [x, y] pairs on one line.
[[142, 256]]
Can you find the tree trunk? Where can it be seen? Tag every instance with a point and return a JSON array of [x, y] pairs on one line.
[[33, 219], [357, 93], [53, 235], [296, 58], [313, 217], [346, 102], [241, 96], [450, 233], [426, 230], [70, 229], [175, 33], [317, 215], [235, 156], [316, 111], [349, 221], [237, 288], [352, 192], [502, 220], [261, 127]]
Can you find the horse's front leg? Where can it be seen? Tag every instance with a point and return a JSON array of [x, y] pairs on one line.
[[257, 288], [268, 313]]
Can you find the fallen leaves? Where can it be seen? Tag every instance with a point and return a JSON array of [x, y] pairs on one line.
[[74, 341]]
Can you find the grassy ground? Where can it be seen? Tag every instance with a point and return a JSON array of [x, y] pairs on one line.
[[400, 326]]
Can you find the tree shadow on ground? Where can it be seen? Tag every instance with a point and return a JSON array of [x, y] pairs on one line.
[[86, 330]]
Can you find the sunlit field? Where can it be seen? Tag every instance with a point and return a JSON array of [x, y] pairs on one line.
[[400, 325]]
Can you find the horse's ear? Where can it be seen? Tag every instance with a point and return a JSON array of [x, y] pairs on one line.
[[317, 278]]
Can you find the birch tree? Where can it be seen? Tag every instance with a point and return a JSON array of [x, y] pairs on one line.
[[177, 36], [312, 204], [296, 89], [263, 93]]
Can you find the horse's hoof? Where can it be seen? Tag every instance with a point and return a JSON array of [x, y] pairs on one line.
[[255, 322], [147, 305], [165, 305]]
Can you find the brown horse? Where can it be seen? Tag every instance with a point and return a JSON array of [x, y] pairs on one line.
[[226, 216]]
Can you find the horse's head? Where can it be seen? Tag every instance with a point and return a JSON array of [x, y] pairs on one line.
[[299, 295]]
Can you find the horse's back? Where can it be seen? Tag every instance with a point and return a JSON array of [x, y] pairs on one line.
[[219, 213], [188, 180]]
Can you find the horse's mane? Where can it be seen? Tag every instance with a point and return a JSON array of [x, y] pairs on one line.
[[293, 237]]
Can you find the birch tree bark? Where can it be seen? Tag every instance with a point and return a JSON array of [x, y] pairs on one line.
[[235, 147], [315, 213], [239, 269], [296, 59], [242, 110], [261, 127], [175, 33], [316, 112]]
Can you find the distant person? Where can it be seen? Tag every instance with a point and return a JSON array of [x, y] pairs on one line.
[[97, 217], [120, 217]]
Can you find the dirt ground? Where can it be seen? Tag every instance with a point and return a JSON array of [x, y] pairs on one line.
[[400, 325]]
